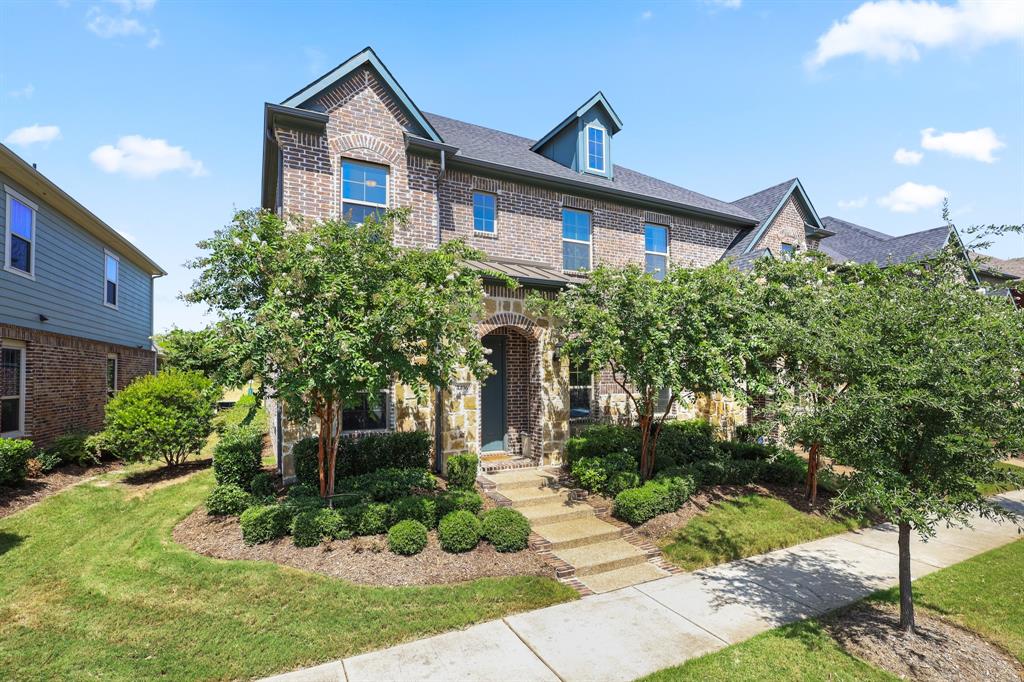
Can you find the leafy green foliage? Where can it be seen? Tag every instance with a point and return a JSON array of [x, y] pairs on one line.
[[262, 485], [662, 495], [459, 531], [386, 485], [397, 450], [70, 449], [237, 456], [507, 529], [48, 461], [14, 455], [164, 416], [462, 471], [227, 499], [456, 500], [312, 526], [205, 351], [784, 468], [416, 507], [264, 523], [247, 411], [407, 537], [684, 441], [600, 440], [608, 475], [371, 518]]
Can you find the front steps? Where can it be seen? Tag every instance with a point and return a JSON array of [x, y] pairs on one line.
[[589, 553]]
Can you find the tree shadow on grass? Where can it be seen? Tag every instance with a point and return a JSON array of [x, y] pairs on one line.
[[9, 541], [166, 473]]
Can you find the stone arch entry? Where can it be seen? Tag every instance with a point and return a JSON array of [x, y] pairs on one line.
[[510, 400]]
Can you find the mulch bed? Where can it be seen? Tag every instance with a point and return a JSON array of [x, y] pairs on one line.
[[364, 560], [937, 651], [37, 489]]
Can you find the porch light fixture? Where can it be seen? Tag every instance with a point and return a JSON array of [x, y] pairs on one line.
[[557, 355]]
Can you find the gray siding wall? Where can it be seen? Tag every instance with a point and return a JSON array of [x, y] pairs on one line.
[[69, 283]]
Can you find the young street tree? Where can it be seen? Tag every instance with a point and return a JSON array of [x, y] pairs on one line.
[[201, 350], [932, 397], [686, 333], [331, 311]]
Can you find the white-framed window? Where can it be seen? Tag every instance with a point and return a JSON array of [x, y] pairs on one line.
[[664, 397], [597, 155], [20, 244], [787, 250], [111, 278], [364, 190], [656, 251], [12, 389], [576, 240], [581, 389], [366, 414], [485, 212], [111, 375]]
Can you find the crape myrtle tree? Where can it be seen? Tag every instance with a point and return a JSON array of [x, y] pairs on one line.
[[201, 350], [331, 311], [932, 399], [688, 333]]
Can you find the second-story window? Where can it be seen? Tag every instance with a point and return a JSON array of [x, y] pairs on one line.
[[364, 191], [484, 212], [788, 250], [575, 239], [595, 148], [111, 277], [21, 235], [656, 251]]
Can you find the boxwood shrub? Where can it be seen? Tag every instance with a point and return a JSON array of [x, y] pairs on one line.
[[416, 508], [307, 466], [462, 471], [237, 455], [312, 526], [601, 440], [608, 475], [358, 456], [659, 496], [507, 529], [227, 499], [262, 485], [14, 456], [407, 537], [455, 500], [459, 531], [784, 468], [369, 518], [70, 449], [264, 523], [386, 485], [684, 441]]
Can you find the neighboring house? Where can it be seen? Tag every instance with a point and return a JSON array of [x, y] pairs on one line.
[[544, 210], [76, 309]]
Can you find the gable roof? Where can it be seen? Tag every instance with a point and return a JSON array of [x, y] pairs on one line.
[[598, 99], [764, 206], [860, 244], [366, 56], [494, 150]]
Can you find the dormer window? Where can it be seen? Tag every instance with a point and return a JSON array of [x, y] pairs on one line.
[[596, 154]]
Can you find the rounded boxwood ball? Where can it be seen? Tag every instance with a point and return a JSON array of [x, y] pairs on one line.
[[459, 531], [407, 537], [507, 529]]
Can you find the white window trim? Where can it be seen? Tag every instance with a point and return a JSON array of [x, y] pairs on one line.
[[586, 148], [117, 298], [117, 370], [13, 194], [671, 393], [360, 202], [22, 396], [590, 244], [472, 207], [668, 246]]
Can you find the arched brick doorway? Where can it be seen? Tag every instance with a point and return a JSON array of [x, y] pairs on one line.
[[510, 399]]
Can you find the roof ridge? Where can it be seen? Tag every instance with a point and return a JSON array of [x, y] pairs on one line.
[[866, 231]]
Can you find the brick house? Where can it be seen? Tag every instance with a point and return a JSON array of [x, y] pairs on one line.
[[543, 210], [76, 309]]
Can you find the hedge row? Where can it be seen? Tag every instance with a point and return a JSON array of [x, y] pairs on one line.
[[364, 455]]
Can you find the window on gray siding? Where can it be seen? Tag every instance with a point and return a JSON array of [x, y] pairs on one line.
[[12, 391], [484, 212], [364, 191], [21, 235], [595, 148], [575, 239], [111, 275], [656, 250], [366, 414]]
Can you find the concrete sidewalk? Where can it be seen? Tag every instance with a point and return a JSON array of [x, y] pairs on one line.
[[635, 631]]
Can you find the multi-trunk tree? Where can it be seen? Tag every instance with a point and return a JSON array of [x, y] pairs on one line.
[[329, 312]]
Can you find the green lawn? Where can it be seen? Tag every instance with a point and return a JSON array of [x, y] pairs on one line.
[[93, 587], [982, 594], [748, 525], [1013, 481]]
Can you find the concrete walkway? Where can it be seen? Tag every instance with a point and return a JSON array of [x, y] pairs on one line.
[[631, 632]]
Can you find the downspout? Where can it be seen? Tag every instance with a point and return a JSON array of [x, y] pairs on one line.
[[437, 202], [438, 436]]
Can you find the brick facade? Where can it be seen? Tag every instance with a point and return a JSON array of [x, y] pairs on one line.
[[65, 380], [788, 228]]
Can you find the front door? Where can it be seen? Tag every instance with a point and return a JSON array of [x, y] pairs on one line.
[[493, 397]]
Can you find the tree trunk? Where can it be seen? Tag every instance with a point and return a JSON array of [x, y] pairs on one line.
[[813, 459], [645, 438], [906, 591]]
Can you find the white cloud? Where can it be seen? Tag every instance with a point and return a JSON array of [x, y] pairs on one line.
[[646, 14], [145, 157], [907, 157], [23, 93], [897, 30], [973, 144], [911, 197], [33, 134], [124, 25], [853, 203], [727, 4]]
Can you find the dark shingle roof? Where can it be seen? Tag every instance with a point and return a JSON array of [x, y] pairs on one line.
[[761, 205], [860, 244], [512, 151], [746, 261]]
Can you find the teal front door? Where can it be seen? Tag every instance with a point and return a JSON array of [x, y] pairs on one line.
[[493, 397]]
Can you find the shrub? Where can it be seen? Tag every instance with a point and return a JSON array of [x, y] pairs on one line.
[[14, 456], [372, 518], [299, 502], [507, 529], [307, 466], [48, 461], [608, 475], [746, 451], [601, 440], [227, 499], [262, 485], [70, 449], [684, 441], [458, 500], [333, 524], [462, 471], [302, 490], [307, 530], [264, 523], [165, 416], [459, 531], [662, 495], [99, 445], [407, 537], [237, 455], [398, 450], [386, 485], [416, 508], [785, 468]]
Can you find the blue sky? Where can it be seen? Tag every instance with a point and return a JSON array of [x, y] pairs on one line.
[[150, 113]]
